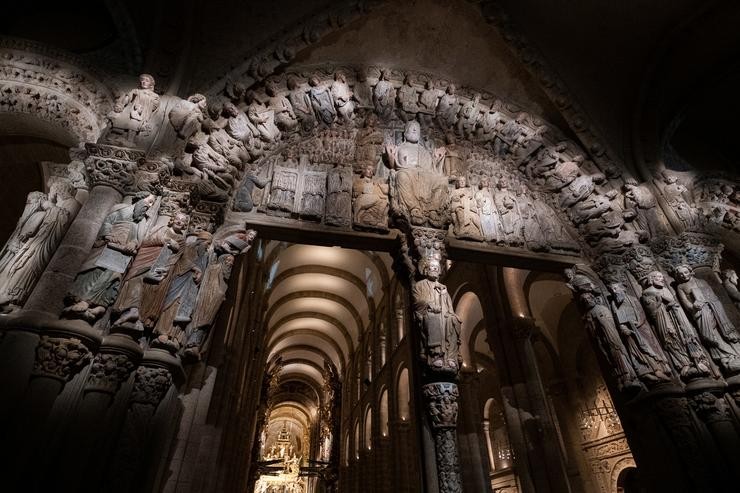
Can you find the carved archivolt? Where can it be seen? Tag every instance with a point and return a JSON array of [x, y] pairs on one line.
[[45, 86]]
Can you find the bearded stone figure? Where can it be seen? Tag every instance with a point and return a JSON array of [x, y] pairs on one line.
[[419, 189], [435, 314], [730, 282], [466, 222], [370, 200], [96, 286], [673, 328], [136, 302], [212, 289], [715, 329], [39, 230], [647, 357], [600, 322]]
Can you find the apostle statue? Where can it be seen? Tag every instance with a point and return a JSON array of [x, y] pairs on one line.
[[715, 329], [384, 96], [600, 322], [321, 101], [647, 357], [262, 117], [285, 118], [212, 289], [490, 222], [370, 200], [448, 107], [96, 286], [136, 304], [301, 104], [133, 111], [730, 282], [419, 189], [36, 236], [639, 200], [511, 222], [435, 314], [673, 329], [342, 95]]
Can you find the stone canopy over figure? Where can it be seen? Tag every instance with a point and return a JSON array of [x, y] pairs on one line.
[[419, 190], [440, 326]]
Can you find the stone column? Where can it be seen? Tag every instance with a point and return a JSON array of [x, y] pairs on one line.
[[110, 172]]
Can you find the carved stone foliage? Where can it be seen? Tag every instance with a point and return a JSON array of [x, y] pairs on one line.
[[60, 358], [48, 86], [39, 231], [150, 385], [108, 372]]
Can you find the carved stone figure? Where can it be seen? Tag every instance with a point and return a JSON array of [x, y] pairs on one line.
[[243, 201], [448, 108], [188, 115], [490, 222], [301, 103], [285, 118], [36, 236], [440, 326], [533, 235], [407, 100], [640, 201], [313, 195], [468, 117], [283, 188], [716, 331], [563, 173], [730, 282], [465, 219], [454, 164], [428, 100], [212, 289], [132, 113], [342, 95], [339, 200], [552, 226], [370, 205], [384, 96], [213, 166], [489, 124], [647, 357], [363, 92], [368, 143], [321, 101], [673, 328], [239, 127], [182, 283], [513, 135], [135, 303], [675, 194], [96, 286], [599, 320], [262, 117], [506, 205], [419, 190]]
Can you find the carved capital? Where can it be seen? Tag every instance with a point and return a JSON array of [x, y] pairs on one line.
[[108, 372], [60, 358], [115, 173], [150, 385], [692, 249], [710, 408], [442, 404]]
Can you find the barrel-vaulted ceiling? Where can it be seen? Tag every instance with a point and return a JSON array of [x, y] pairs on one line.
[[319, 301]]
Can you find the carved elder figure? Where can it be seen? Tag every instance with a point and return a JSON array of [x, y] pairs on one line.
[[469, 116], [96, 286], [440, 326], [448, 107], [285, 118], [673, 328], [339, 199], [133, 111], [715, 329], [465, 219], [639, 200], [420, 192], [647, 357], [321, 101], [342, 95], [428, 100], [188, 115], [599, 320], [301, 103], [675, 194], [370, 205], [36, 237], [489, 220], [262, 117], [506, 205], [384, 96], [407, 100]]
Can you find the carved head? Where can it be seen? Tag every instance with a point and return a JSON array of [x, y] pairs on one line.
[[293, 82], [429, 84], [179, 222], [450, 138], [588, 299], [271, 88], [146, 81], [230, 110], [368, 171], [484, 182], [730, 275], [451, 89], [521, 117], [371, 120], [462, 182], [61, 190], [340, 77], [384, 74], [407, 79], [430, 268], [250, 236], [683, 273], [412, 133], [617, 290], [502, 185], [313, 81], [476, 98], [655, 278], [199, 100], [142, 206], [668, 177]]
